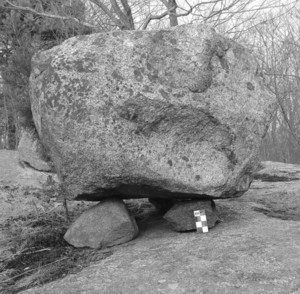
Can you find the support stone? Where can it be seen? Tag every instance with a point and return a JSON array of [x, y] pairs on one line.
[[103, 225], [181, 215]]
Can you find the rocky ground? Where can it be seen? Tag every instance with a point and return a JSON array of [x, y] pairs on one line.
[[255, 248]]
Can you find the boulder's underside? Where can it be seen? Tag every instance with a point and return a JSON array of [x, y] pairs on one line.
[[176, 113]]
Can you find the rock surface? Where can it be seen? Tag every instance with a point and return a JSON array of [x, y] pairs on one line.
[[13, 174], [31, 151], [276, 172], [248, 252], [181, 215], [105, 224], [171, 113], [16, 181]]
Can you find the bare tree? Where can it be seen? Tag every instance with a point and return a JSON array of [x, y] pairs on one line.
[[141, 14], [276, 44], [21, 35]]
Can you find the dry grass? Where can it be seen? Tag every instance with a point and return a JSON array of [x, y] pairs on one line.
[[32, 249]]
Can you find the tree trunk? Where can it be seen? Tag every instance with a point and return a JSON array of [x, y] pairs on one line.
[[8, 138], [172, 6]]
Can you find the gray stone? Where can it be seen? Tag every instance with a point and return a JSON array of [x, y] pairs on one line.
[[248, 252], [12, 174], [181, 215], [153, 114], [32, 152], [105, 224]]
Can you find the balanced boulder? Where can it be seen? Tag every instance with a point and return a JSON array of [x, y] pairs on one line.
[[177, 113]]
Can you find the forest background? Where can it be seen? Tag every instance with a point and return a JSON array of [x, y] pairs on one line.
[[269, 28]]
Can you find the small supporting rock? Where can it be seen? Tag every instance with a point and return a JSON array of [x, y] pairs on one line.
[[105, 224], [181, 215]]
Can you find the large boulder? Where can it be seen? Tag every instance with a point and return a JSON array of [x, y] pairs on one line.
[[177, 113]]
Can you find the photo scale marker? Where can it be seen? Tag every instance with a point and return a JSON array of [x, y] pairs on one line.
[[201, 221]]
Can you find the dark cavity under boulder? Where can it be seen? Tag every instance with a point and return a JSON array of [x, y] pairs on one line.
[[177, 113]]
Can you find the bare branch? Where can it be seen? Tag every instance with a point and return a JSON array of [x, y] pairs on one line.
[[192, 8], [123, 18], [282, 75], [106, 10], [171, 6], [47, 15], [118, 11], [165, 2], [152, 17], [128, 13]]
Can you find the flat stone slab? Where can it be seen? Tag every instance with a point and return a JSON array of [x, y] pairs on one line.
[[105, 224], [181, 215]]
